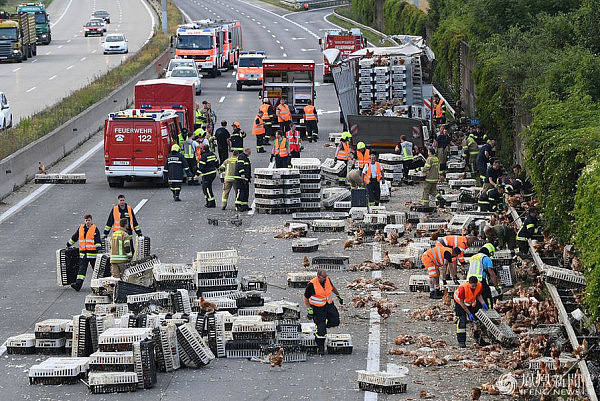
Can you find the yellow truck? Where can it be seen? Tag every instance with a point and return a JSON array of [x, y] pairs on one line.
[[17, 36]]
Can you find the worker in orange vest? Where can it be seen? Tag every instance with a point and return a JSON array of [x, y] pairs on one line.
[[293, 137], [281, 151], [88, 240], [466, 297], [436, 259], [311, 119], [258, 130], [342, 153], [363, 155], [284, 116], [372, 176], [320, 306], [439, 110], [268, 118], [456, 241], [118, 212]]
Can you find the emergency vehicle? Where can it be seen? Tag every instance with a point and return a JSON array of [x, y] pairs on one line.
[[154, 95], [343, 40], [249, 71], [213, 45], [136, 143]]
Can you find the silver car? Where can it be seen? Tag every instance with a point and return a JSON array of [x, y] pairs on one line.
[[188, 74], [178, 62]]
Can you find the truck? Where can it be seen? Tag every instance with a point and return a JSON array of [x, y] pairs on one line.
[[345, 41], [249, 71], [17, 36], [385, 92], [154, 95], [42, 21], [136, 144], [292, 80], [213, 45]]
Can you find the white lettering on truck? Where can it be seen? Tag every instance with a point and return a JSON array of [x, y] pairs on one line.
[[133, 130]]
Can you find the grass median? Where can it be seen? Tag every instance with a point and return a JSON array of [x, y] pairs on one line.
[[40, 124], [371, 37]]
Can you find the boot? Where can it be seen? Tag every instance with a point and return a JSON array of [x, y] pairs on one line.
[[77, 285], [177, 199], [223, 207], [211, 204], [456, 280], [437, 294], [431, 294], [462, 344], [320, 346]]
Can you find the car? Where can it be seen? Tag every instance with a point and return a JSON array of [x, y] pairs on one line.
[[115, 43], [101, 21], [178, 62], [102, 14], [93, 28], [249, 71], [5, 112], [188, 74]]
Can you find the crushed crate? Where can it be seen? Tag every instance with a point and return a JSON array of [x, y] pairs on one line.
[[118, 310], [299, 279], [140, 271], [67, 265], [167, 349], [291, 353], [194, 351], [120, 361], [51, 328], [149, 301], [254, 283], [305, 244], [72, 178], [341, 195], [59, 371], [124, 289], [112, 382], [332, 167], [564, 278], [418, 283], [497, 328], [103, 286], [459, 221], [181, 301], [382, 382], [122, 339], [224, 270], [330, 262], [21, 344], [328, 225], [50, 347], [91, 300], [338, 343], [143, 356], [319, 215], [101, 266], [565, 362], [173, 276], [217, 284], [142, 247], [280, 310]]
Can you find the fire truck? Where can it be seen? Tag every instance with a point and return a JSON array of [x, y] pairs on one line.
[[158, 94], [136, 144], [213, 45], [343, 40], [292, 80]]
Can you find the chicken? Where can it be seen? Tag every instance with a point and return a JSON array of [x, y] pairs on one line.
[[554, 351], [404, 339], [437, 234], [392, 237], [277, 359], [305, 262], [369, 54], [207, 307], [379, 237], [384, 308], [290, 234], [423, 394], [475, 393], [447, 298], [41, 168], [348, 244], [386, 258]]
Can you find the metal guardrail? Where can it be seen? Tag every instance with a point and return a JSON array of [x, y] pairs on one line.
[[299, 4], [366, 28]]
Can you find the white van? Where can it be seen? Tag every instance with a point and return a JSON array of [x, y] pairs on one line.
[[6, 119]]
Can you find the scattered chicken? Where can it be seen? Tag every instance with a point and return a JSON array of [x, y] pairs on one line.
[[291, 234], [305, 262], [423, 394], [437, 234], [490, 388], [277, 359], [392, 237], [369, 54], [361, 284], [379, 237], [554, 351], [369, 265], [41, 168], [404, 339], [447, 298], [475, 393], [397, 351], [348, 244], [386, 259], [384, 307], [329, 145], [361, 301], [206, 306], [431, 359]]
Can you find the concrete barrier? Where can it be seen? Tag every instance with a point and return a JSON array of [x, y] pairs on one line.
[[21, 166]]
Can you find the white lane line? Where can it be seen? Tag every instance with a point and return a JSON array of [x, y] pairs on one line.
[[139, 205], [47, 53], [52, 77], [34, 60], [284, 55], [16, 69], [374, 343], [62, 15], [188, 19], [31, 89], [277, 41], [281, 47], [69, 41], [268, 30], [232, 72], [69, 67], [221, 99], [145, 4], [83, 59], [229, 85], [59, 46], [273, 35], [32, 196], [93, 51]]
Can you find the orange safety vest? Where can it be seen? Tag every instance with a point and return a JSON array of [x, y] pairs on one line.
[[367, 176], [322, 294], [198, 153], [309, 113], [280, 149], [344, 153], [86, 242], [456, 241], [470, 295], [117, 217], [284, 113], [434, 258], [265, 109], [363, 158], [439, 111], [259, 126], [294, 140]]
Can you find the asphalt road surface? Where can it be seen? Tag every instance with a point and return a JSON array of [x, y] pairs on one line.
[[71, 60], [30, 237]]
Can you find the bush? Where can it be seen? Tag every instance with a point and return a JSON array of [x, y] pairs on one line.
[[402, 18]]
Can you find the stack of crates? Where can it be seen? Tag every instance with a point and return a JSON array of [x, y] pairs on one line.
[[339, 343], [50, 336], [217, 270], [399, 81], [23, 344], [381, 83], [291, 190], [140, 271], [180, 299], [248, 335], [142, 247], [391, 164], [166, 347], [212, 327], [331, 169], [310, 183], [365, 85], [288, 337], [59, 371], [308, 337], [173, 276], [277, 190]]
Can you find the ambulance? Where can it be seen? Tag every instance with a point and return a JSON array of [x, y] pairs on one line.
[[249, 71]]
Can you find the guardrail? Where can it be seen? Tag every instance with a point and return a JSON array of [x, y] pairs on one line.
[[312, 3], [366, 28]]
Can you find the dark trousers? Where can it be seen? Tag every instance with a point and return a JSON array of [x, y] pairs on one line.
[[193, 165], [374, 192], [281, 162], [406, 166], [268, 132], [325, 317], [223, 154], [486, 293], [83, 264], [523, 247], [312, 130], [294, 154], [461, 325], [242, 193], [342, 175], [175, 187], [284, 126], [260, 141], [209, 195]]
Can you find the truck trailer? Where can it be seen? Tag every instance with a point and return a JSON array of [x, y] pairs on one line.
[[42, 20], [17, 36]]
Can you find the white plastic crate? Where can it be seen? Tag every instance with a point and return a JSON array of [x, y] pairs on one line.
[[305, 244], [265, 192], [497, 327], [375, 218], [217, 282], [564, 277], [328, 225], [253, 326], [103, 286], [299, 279], [401, 258], [195, 351], [306, 163], [358, 213], [265, 182], [58, 371], [167, 348], [226, 256], [418, 282], [268, 202], [335, 136], [379, 209], [382, 382], [49, 343], [117, 310], [117, 358], [225, 268], [459, 221], [175, 272], [394, 228], [457, 165], [465, 182], [457, 176], [159, 296], [117, 335], [52, 326], [390, 158], [181, 301], [564, 362], [432, 226], [111, 382], [253, 313], [339, 343], [233, 294], [333, 166]]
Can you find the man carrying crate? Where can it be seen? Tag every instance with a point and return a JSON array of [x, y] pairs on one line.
[[466, 297], [87, 237]]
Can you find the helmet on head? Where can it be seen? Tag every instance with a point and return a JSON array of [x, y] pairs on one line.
[[235, 124], [491, 249], [346, 135], [175, 148], [361, 145]]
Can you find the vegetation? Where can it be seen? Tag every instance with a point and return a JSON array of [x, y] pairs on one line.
[[38, 125], [371, 37]]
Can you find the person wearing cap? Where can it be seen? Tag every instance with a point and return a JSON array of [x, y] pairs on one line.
[[482, 267], [373, 176], [363, 155], [432, 176], [529, 228], [405, 148], [492, 199], [342, 153], [175, 167], [236, 139]]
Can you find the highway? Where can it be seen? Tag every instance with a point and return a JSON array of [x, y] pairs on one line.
[[30, 237], [71, 60]]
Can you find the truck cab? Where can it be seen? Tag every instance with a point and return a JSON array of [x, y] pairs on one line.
[[136, 144], [346, 41], [203, 45], [17, 36], [249, 71], [42, 21]]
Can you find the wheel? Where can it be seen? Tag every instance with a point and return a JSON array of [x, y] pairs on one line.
[[116, 182], [126, 51], [101, 33], [49, 39], [238, 86], [10, 123], [199, 93], [85, 34], [213, 72], [108, 21], [218, 72]]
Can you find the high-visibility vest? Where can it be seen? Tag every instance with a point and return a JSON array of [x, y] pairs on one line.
[[436, 254], [188, 149], [476, 266], [284, 113], [198, 153], [363, 158], [117, 217], [281, 148], [367, 176], [199, 117], [309, 113], [259, 126], [406, 153], [456, 241], [119, 251], [439, 110], [265, 109], [322, 294], [343, 152], [294, 140], [86, 241], [470, 295]]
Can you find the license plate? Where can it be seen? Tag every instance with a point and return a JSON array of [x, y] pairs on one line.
[[121, 163]]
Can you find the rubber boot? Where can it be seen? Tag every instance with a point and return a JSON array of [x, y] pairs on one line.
[[462, 345], [77, 285], [320, 346]]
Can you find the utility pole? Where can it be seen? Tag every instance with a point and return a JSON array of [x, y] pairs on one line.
[[165, 19], [379, 25]]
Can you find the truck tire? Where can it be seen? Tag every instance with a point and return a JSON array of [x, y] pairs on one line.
[[218, 72], [116, 182], [49, 38], [238, 86], [228, 65], [213, 72]]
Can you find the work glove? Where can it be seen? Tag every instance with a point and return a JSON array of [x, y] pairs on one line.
[[471, 317], [339, 297], [68, 244], [309, 312], [272, 157], [484, 306]]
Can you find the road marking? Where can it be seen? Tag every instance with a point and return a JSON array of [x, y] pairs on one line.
[[60, 46], [221, 99], [253, 207], [152, 18], [268, 30], [285, 29], [298, 38], [232, 72], [277, 41], [281, 47], [47, 53], [34, 60], [62, 15], [16, 69], [52, 77], [284, 55], [93, 51], [31, 89], [83, 59], [35, 194], [283, 18], [374, 343], [139, 205], [273, 35], [69, 41], [69, 67], [307, 50], [229, 85]]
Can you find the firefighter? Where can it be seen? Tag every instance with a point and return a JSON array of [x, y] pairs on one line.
[[175, 168], [284, 116], [521, 182], [442, 144], [121, 250], [528, 229], [501, 235], [466, 297], [483, 158], [243, 173], [320, 307], [222, 137], [311, 119], [236, 139], [191, 148], [88, 240], [470, 152], [342, 153], [293, 137], [373, 176], [491, 200], [208, 171], [432, 176], [456, 241], [281, 150], [493, 176], [482, 267], [363, 156], [405, 148], [439, 108], [258, 130], [228, 166], [435, 260], [268, 118], [118, 212], [211, 119], [199, 117]]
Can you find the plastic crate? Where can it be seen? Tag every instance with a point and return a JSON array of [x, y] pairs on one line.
[[375, 218], [143, 354], [98, 325], [103, 286], [394, 228], [181, 301], [21, 344], [215, 271], [254, 283], [267, 183], [459, 221], [332, 166], [217, 284], [564, 278], [339, 343], [112, 382], [433, 226], [124, 289], [195, 352], [51, 328], [117, 310], [82, 341], [497, 328], [564, 362], [167, 349], [291, 352], [153, 301], [382, 382], [140, 272], [67, 265], [121, 361], [101, 266], [208, 258], [58, 371], [465, 182], [328, 225], [142, 247], [172, 276], [305, 244], [122, 339], [299, 279], [418, 282], [330, 263], [51, 347]]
